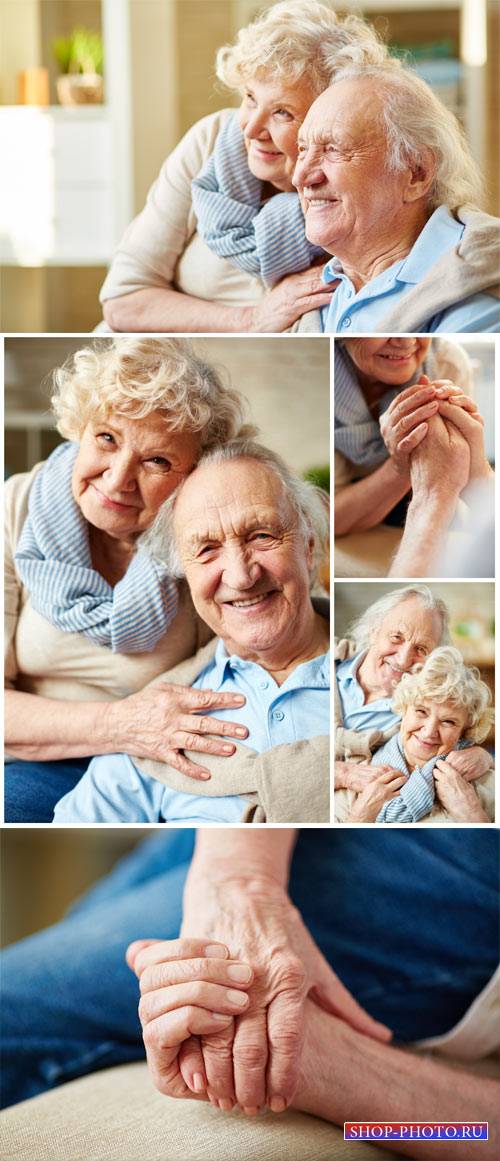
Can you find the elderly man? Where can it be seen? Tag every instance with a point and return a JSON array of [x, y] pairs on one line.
[[387, 185], [395, 634], [247, 537]]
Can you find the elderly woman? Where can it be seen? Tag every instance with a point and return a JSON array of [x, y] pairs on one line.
[[164, 276], [390, 189], [387, 392], [90, 618], [444, 707]]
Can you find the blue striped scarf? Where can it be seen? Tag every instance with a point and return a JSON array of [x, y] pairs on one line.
[[54, 562], [357, 434], [416, 797], [267, 240]]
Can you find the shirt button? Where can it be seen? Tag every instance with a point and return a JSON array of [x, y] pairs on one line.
[[278, 715], [346, 322], [264, 684]]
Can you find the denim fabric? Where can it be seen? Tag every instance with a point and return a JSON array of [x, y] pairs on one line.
[[31, 789], [407, 918]]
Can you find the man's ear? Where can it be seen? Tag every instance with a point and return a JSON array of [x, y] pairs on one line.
[[420, 176]]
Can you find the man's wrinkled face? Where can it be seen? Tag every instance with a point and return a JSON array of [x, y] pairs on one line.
[[430, 729], [347, 192], [403, 639], [244, 557]]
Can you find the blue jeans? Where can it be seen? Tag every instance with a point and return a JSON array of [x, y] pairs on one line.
[[31, 789], [407, 918]]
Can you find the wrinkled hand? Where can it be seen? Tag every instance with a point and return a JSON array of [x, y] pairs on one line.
[[188, 990], [373, 797], [441, 462], [295, 295], [456, 795], [471, 427], [255, 1059], [405, 422], [163, 720], [471, 763], [357, 775]]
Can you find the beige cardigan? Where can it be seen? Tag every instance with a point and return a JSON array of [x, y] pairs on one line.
[[288, 783], [41, 659], [358, 746], [161, 247], [471, 267]]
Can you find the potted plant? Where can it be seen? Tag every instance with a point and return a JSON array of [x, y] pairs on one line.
[[80, 59]]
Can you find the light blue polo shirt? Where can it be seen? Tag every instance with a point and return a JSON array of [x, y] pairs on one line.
[[361, 312], [113, 790], [356, 715]]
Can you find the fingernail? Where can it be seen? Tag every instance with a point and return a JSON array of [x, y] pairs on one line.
[[240, 972], [238, 998], [215, 951], [228, 749], [250, 1110], [242, 733], [221, 1016], [198, 1082], [226, 1105], [238, 698], [277, 1104], [205, 776]]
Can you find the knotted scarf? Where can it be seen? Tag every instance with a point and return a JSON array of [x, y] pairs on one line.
[[53, 560], [416, 797], [265, 239]]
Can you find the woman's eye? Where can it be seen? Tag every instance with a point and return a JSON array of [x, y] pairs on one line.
[[105, 436], [160, 462], [262, 536], [284, 114], [421, 713], [250, 100]]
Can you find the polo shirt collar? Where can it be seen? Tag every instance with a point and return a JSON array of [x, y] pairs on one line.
[[440, 233], [318, 672]]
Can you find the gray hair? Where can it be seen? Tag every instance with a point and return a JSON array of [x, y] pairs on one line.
[[135, 376], [362, 629], [416, 120], [444, 677], [307, 501], [297, 39]]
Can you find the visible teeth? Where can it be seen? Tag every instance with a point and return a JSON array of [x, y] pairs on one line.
[[320, 201], [250, 601]]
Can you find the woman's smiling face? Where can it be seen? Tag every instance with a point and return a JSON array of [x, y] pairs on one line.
[[430, 729], [126, 468], [393, 361], [271, 114]]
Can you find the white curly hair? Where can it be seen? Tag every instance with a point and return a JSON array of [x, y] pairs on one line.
[[298, 39], [444, 677], [135, 376]]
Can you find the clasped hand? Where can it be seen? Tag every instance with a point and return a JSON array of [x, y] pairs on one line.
[[430, 424], [223, 1014]]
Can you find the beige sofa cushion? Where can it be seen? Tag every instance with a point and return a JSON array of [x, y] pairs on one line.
[[116, 1115]]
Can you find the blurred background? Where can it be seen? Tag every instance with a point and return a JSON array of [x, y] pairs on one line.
[[471, 606], [44, 869], [271, 373], [75, 174]]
